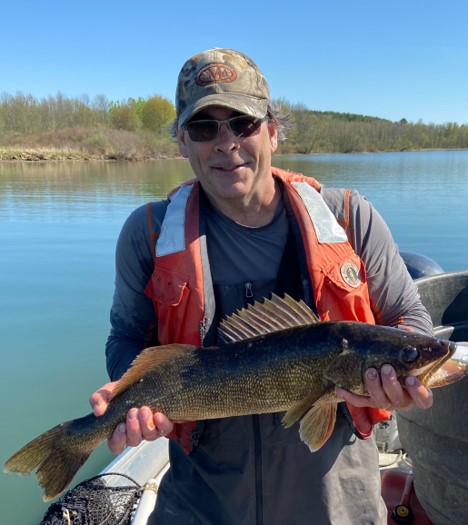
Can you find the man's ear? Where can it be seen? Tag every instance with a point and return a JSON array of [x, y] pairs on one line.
[[181, 142], [273, 136]]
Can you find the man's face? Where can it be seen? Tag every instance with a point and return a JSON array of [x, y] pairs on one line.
[[230, 167]]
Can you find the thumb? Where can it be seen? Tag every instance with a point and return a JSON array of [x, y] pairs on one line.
[[100, 399]]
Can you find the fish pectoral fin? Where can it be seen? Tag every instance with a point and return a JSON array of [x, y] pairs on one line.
[[297, 410], [147, 360], [318, 424]]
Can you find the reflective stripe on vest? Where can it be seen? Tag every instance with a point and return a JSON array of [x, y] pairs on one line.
[[326, 226], [172, 236]]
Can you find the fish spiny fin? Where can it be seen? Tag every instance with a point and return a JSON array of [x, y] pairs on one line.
[[318, 424], [266, 317], [147, 360]]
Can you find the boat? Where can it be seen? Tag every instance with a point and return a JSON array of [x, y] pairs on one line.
[[419, 476], [437, 439]]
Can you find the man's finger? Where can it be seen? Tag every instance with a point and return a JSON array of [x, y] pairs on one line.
[[118, 440], [147, 425], [395, 393], [99, 399], [421, 395], [133, 428], [163, 425]]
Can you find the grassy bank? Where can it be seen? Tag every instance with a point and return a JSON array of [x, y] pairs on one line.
[[83, 143]]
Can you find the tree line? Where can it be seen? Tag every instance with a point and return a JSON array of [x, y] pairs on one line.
[[308, 131], [321, 132], [26, 114]]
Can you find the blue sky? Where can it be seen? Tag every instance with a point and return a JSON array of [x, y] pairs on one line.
[[395, 59]]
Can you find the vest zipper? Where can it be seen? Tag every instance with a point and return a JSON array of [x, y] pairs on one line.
[[248, 290], [202, 330], [258, 470]]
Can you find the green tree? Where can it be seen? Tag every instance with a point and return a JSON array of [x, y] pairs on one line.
[[157, 113], [124, 116], [138, 104]]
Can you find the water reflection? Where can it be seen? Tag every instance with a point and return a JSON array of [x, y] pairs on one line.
[[82, 191], [421, 195]]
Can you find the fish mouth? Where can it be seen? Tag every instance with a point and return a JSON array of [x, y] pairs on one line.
[[452, 368], [426, 371]]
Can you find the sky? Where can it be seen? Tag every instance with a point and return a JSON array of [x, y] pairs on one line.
[[390, 59]]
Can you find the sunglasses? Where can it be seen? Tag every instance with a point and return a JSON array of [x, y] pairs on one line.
[[206, 130]]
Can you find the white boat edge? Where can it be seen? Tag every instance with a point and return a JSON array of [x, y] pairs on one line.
[[146, 465]]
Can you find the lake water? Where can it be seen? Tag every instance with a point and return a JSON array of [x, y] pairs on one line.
[[59, 223]]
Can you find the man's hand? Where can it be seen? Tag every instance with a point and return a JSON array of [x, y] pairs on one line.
[[386, 392], [141, 424]]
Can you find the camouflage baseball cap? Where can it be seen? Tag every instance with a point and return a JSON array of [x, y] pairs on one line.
[[221, 77]]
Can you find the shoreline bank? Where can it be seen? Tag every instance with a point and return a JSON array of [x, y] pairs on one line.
[[57, 155]]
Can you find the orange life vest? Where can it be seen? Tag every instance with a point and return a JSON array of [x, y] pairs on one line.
[[181, 290]]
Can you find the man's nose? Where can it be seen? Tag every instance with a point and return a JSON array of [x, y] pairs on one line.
[[226, 139]]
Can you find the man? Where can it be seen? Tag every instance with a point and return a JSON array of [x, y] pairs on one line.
[[237, 233]]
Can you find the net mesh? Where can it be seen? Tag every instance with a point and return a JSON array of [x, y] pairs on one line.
[[93, 502]]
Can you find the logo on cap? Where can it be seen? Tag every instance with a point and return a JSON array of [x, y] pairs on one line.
[[350, 274], [215, 72]]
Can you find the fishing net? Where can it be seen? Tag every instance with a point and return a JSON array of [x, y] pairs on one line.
[[93, 502]]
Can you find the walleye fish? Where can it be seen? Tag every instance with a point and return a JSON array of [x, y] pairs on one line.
[[277, 357]]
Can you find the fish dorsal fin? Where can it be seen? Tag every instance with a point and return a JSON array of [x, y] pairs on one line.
[[147, 360], [266, 317]]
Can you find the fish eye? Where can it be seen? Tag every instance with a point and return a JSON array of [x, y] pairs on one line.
[[409, 354]]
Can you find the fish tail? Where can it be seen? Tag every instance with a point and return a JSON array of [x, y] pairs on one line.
[[55, 457]]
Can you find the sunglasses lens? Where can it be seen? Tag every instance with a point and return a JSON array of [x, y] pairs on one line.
[[202, 130], [244, 126]]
